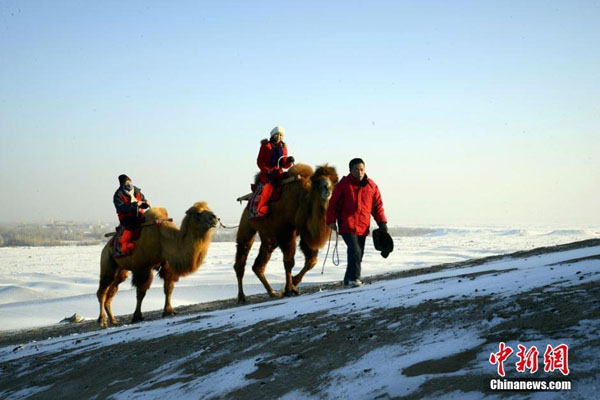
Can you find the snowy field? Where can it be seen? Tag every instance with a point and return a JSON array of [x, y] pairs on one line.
[[428, 335], [42, 285]]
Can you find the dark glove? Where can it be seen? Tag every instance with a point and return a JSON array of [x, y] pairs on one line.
[[144, 205], [291, 159], [383, 226]]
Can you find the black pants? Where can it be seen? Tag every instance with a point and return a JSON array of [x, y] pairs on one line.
[[356, 248]]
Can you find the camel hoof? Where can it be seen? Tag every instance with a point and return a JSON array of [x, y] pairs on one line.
[[290, 293], [241, 299], [274, 295], [137, 318], [102, 323], [114, 322], [167, 313]]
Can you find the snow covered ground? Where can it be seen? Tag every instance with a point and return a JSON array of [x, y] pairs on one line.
[[42, 285], [389, 338]]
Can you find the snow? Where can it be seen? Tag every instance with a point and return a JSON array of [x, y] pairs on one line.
[[297, 394], [213, 385], [388, 362], [28, 392], [500, 278], [517, 277], [42, 285]]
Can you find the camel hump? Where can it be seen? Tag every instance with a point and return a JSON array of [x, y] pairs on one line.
[[156, 213], [303, 170]]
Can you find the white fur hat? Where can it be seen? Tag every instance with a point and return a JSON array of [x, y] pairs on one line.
[[276, 130]]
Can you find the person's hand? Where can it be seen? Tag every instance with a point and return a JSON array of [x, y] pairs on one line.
[[333, 226], [383, 226], [291, 159]]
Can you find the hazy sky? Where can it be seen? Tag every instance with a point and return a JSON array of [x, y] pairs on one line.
[[466, 112]]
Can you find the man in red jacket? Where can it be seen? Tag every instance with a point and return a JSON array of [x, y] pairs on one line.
[[354, 199]]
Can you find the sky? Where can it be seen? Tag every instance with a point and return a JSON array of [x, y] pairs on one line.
[[465, 112]]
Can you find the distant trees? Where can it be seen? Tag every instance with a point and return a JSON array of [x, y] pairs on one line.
[[86, 234], [49, 235], [222, 235], [72, 234]]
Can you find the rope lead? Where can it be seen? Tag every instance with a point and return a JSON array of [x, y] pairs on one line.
[[226, 227], [333, 254]]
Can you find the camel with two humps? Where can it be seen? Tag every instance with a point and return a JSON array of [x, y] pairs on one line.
[[301, 211], [162, 246]]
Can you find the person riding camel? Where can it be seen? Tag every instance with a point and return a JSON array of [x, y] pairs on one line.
[[272, 160], [131, 204]]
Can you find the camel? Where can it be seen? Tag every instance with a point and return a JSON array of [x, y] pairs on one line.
[[174, 252], [300, 211]]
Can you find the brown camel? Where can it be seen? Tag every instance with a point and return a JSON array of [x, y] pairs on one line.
[[300, 211], [174, 252]]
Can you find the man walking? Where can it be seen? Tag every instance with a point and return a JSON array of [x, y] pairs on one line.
[[354, 199]]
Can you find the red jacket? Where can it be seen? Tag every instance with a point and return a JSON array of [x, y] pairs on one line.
[[268, 156], [352, 204]]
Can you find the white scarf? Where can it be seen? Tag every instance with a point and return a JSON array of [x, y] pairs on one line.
[[131, 194]]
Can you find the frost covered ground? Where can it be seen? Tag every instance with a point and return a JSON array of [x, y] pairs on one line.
[[409, 334], [42, 285]]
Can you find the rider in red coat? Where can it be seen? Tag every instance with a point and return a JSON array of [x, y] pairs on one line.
[[272, 159], [354, 199], [131, 204]]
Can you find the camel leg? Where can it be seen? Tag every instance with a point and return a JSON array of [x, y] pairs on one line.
[[310, 257], [260, 264], [244, 242], [142, 281], [168, 289], [169, 277], [288, 248], [120, 276], [101, 294], [108, 270]]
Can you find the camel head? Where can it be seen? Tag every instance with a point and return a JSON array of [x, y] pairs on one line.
[[200, 218], [323, 181]]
